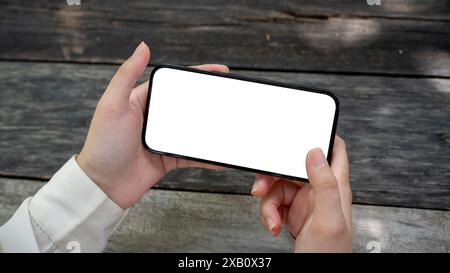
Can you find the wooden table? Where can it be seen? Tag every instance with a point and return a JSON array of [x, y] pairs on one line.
[[389, 65]]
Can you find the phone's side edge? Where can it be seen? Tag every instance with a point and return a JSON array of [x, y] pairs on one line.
[[147, 105], [334, 129]]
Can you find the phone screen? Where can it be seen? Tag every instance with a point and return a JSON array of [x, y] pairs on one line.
[[239, 122]]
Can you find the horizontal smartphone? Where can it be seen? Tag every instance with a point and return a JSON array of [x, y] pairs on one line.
[[234, 121]]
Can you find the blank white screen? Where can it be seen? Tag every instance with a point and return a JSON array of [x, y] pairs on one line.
[[237, 122]]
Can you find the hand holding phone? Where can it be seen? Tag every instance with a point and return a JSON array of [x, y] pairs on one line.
[[113, 156]]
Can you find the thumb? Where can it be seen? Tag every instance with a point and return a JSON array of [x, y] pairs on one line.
[[327, 202], [123, 82]]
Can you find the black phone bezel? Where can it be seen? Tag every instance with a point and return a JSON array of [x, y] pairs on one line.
[[244, 78]]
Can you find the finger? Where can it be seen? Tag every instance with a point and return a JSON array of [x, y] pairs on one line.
[[139, 95], [171, 163], [281, 194], [262, 184], [340, 168], [121, 85], [339, 161], [212, 67], [326, 203], [183, 163], [299, 210]]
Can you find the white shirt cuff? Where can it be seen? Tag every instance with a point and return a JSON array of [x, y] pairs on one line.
[[73, 211]]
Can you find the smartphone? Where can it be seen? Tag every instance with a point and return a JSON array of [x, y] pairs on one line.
[[239, 122]]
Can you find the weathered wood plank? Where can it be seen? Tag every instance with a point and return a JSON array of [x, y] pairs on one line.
[[397, 130], [395, 9], [400, 37], [172, 221]]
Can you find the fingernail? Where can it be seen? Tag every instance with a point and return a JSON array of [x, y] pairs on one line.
[[270, 223], [317, 158], [138, 51], [255, 187]]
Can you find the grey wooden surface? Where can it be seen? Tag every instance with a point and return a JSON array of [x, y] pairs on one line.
[[174, 221], [399, 37], [388, 64], [397, 130]]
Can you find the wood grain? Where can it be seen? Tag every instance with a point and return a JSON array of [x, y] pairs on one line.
[[398, 37], [172, 221], [397, 130]]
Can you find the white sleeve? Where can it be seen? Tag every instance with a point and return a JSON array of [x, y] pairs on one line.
[[70, 213], [17, 234]]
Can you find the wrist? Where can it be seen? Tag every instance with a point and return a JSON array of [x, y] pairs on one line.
[[99, 178]]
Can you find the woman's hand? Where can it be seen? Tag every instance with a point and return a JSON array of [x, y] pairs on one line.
[[113, 155], [319, 213]]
